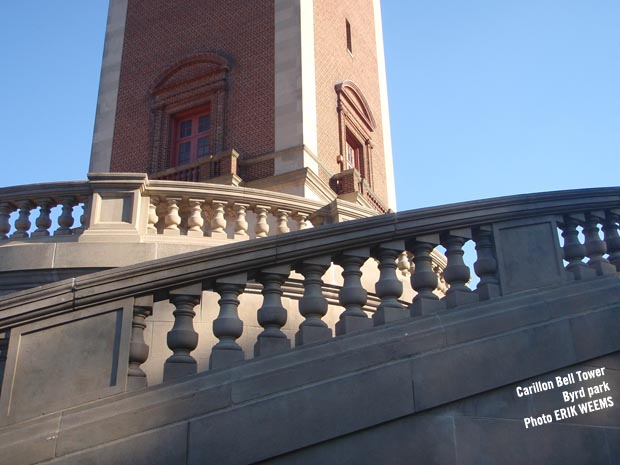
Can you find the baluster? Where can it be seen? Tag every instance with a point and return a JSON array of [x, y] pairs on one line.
[[218, 221], [404, 265], [43, 222], [172, 220], [313, 305], [352, 295], [424, 280], [272, 315], [153, 219], [612, 238], [574, 251], [65, 220], [389, 288], [316, 219], [182, 338], [5, 225], [22, 224], [262, 228], [595, 246], [138, 349], [457, 274], [195, 220], [486, 264], [84, 217], [4, 347], [228, 327], [241, 225], [282, 216], [302, 220], [442, 285]]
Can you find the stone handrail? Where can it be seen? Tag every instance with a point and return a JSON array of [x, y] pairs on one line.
[[113, 204], [518, 249]]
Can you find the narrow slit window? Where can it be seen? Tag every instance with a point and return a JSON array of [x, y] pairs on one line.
[[349, 42]]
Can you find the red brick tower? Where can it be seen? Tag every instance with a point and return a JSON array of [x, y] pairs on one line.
[[284, 95]]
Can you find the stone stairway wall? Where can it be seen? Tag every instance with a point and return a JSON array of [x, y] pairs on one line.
[[438, 389]]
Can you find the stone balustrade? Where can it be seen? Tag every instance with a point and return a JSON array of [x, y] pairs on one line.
[[131, 204], [521, 243], [228, 216], [28, 213]]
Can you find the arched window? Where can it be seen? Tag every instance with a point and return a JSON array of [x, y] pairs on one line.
[[188, 102], [356, 124]]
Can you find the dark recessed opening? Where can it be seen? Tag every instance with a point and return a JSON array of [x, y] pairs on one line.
[[349, 44]]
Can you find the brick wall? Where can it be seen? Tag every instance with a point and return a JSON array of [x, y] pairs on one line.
[[258, 170], [335, 64], [160, 33]]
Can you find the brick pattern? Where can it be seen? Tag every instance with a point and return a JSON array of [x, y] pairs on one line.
[[335, 64], [344, 183], [324, 175], [161, 32], [349, 181], [258, 170]]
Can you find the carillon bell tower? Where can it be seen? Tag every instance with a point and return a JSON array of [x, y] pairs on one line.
[[281, 95]]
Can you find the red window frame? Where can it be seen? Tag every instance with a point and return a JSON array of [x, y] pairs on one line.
[[193, 136], [354, 154]]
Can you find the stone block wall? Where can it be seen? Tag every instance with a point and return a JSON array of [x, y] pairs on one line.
[[484, 429]]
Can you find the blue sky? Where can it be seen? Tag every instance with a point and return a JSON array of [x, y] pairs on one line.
[[487, 98]]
